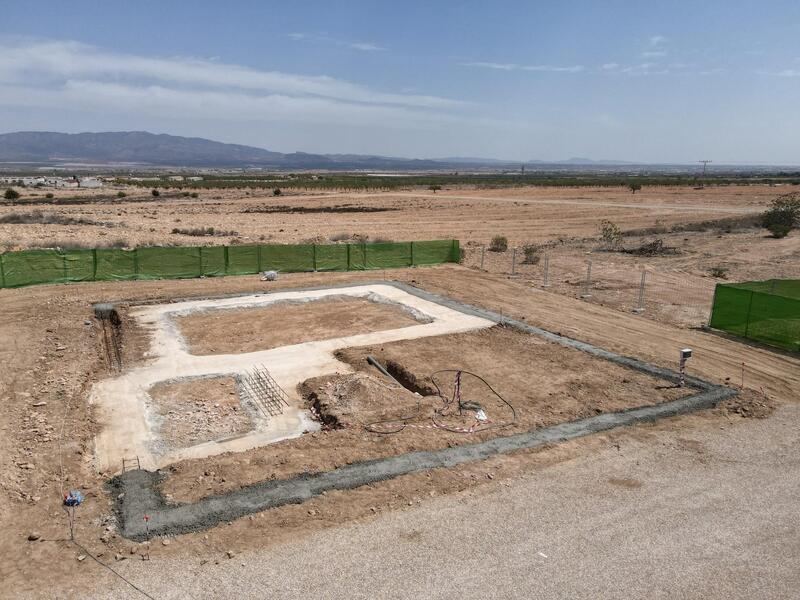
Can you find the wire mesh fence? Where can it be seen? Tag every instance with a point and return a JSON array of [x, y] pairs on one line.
[[623, 282]]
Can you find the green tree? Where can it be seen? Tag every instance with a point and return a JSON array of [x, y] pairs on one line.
[[276, 192], [434, 188], [11, 194], [155, 193], [634, 187]]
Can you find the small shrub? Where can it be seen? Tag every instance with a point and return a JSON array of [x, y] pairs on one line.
[[611, 234], [531, 254], [48, 195], [499, 243], [11, 194], [185, 194], [121, 194], [204, 231], [193, 194], [339, 237], [719, 272], [634, 187], [783, 216], [276, 192], [155, 193], [434, 188]]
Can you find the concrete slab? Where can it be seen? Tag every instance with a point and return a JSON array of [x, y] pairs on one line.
[[122, 402]]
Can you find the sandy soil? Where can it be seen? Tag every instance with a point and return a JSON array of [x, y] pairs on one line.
[[198, 410], [55, 359], [527, 214], [679, 284], [251, 329]]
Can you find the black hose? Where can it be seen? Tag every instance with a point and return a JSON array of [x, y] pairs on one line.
[[403, 421]]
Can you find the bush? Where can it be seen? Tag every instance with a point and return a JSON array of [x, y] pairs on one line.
[[434, 188], [276, 192], [155, 193], [11, 194], [48, 195], [204, 231], [719, 272], [531, 252], [634, 187], [499, 243], [611, 234], [121, 194], [783, 216], [193, 194]]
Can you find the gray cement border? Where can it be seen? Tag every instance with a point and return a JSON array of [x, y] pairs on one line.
[[136, 494]]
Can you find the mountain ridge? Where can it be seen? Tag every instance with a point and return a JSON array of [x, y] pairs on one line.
[[159, 150]]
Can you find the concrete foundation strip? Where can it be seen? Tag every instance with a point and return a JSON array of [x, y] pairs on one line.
[[136, 493]]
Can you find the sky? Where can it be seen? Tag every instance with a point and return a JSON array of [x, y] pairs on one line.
[[669, 82]]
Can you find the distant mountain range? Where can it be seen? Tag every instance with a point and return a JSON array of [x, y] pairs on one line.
[[143, 149]]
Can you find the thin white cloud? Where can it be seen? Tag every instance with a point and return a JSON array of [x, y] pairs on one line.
[[787, 73], [610, 66], [516, 67], [324, 39], [657, 40], [367, 47], [654, 54], [48, 63], [64, 75]]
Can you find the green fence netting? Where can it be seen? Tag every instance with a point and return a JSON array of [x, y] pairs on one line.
[[764, 311], [31, 267]]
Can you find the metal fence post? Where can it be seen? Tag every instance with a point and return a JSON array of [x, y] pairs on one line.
[[514, 261], [640, 304], [749, 308], [483, 255], [546, 282], [587, 293]]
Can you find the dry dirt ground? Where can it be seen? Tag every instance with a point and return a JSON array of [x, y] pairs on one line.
[[54, 359], [564, 222], [252, 329], [527, 214], [198, 410], [51, 351]]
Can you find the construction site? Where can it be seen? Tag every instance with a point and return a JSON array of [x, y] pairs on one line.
[[179, 409]]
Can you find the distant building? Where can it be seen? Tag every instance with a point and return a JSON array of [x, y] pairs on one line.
[[90, 182], [176, 177]]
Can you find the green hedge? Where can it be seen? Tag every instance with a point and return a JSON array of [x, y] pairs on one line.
[[31, 267], [765, 311]]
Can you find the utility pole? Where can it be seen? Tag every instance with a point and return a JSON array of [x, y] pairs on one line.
[[703, 176]]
